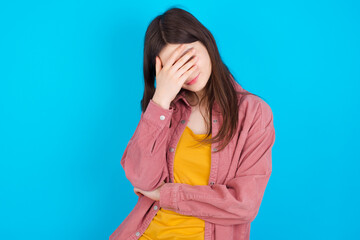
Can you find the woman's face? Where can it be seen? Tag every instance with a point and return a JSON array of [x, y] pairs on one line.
[[203, 62]]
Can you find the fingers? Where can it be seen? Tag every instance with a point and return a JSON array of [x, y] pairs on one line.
[[188, 73], [183, 59], [137, 193], [186, 67], [173, 57]]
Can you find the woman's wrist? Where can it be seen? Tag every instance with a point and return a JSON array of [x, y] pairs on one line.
[[161, 103]]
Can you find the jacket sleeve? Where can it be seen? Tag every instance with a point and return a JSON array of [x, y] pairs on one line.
[[144, 158], [237, 201]]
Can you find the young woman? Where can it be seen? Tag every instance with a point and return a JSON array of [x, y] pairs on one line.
[[200, 157]]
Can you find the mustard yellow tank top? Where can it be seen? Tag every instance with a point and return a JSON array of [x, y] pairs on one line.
[[191, 166]]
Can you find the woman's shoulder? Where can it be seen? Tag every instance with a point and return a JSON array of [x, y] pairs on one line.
[[253, 106], [252, 102]]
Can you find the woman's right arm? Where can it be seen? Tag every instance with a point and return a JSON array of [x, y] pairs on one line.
[[144, 158]]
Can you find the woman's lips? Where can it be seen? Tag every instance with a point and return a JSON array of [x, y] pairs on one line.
[[193, 81]]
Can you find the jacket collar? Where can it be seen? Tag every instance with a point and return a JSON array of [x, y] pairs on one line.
[[181, 96]]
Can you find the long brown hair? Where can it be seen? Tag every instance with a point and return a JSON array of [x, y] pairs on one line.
[[177, 26]]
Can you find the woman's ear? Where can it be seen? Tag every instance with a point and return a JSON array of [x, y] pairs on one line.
[[161, 64], [158, 65]]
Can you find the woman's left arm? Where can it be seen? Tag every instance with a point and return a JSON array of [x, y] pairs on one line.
[[238, 201]]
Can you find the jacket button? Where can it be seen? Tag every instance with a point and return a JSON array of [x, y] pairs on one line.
[[214, 149], [171, 149], [137, 233], [162, 117], [155, 207], [183, 121], [215, 120], [212, 183]]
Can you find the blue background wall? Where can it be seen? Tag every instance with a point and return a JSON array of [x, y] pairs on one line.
[[70, 90]]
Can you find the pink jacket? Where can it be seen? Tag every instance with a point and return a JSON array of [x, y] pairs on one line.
[[238, 176]]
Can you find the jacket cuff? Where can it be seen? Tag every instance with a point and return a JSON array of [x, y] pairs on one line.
[[169, 193], [157, 114]]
